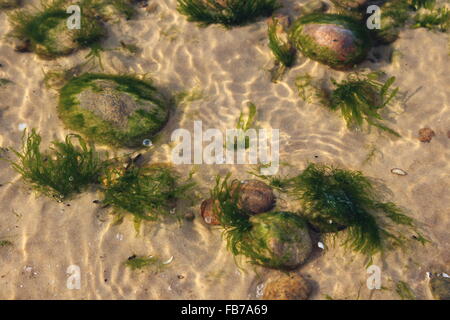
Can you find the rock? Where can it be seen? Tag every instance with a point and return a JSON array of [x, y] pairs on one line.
[[426, 134], [22, 45], [207, 212], [440, 287], [60, 42], [290, 286], [448, 134], [337, 41], [280, 239], [255, 196], [115, 110]]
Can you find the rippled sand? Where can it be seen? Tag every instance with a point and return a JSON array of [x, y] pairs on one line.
[[230, 68]]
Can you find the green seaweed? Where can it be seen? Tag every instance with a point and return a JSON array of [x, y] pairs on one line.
[[249, 236], [282, 50], [226, 12], [304, 83], [436, 19], [359, 98], [404, 291], [333, 199], [417, 4], [141, 125], [394, 16], [141, 262], [148, 193], [5, 243], [64, 170], [41, 29], [243, 125], [4, 82]]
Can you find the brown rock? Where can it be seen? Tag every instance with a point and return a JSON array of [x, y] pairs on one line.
[[426, 134], [287, 287], [207, 212], [256, 196], [440, 287], [334, 37]]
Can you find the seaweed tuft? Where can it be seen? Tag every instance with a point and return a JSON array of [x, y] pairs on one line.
[[282, 50], [359, 98], [437, 19], [65, 170], [148, 193], [142, 262], [334, 199], [228, 13]]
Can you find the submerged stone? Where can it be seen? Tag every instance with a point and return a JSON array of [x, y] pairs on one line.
[[207, 212], [114, 110], [255, 196], [338, 41], [290, 286], [47, 33], [281, 240], [440, 287]]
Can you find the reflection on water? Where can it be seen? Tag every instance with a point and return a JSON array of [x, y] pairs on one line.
[[231, 68]]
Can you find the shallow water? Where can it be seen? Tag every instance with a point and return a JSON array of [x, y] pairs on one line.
[[230, 68]]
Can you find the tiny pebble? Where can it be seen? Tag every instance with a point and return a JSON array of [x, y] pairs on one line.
[[22, 126], [321, 245]]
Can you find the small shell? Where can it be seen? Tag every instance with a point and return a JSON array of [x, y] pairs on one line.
[[168, 261], [321, 245], [399, 172]]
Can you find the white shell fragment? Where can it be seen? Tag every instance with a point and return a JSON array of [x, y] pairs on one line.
[[321, 245], [22, 126], [399, 172], [168, 261]]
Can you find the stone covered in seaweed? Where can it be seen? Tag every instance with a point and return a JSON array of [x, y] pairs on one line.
[[335, 40], [273, 239], [278, 240], [440, 287], [46, 32], [120, 111]]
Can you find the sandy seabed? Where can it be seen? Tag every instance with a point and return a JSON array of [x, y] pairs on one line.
[[229, 68]]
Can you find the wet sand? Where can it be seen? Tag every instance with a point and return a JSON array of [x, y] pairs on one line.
[[230, 68]]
